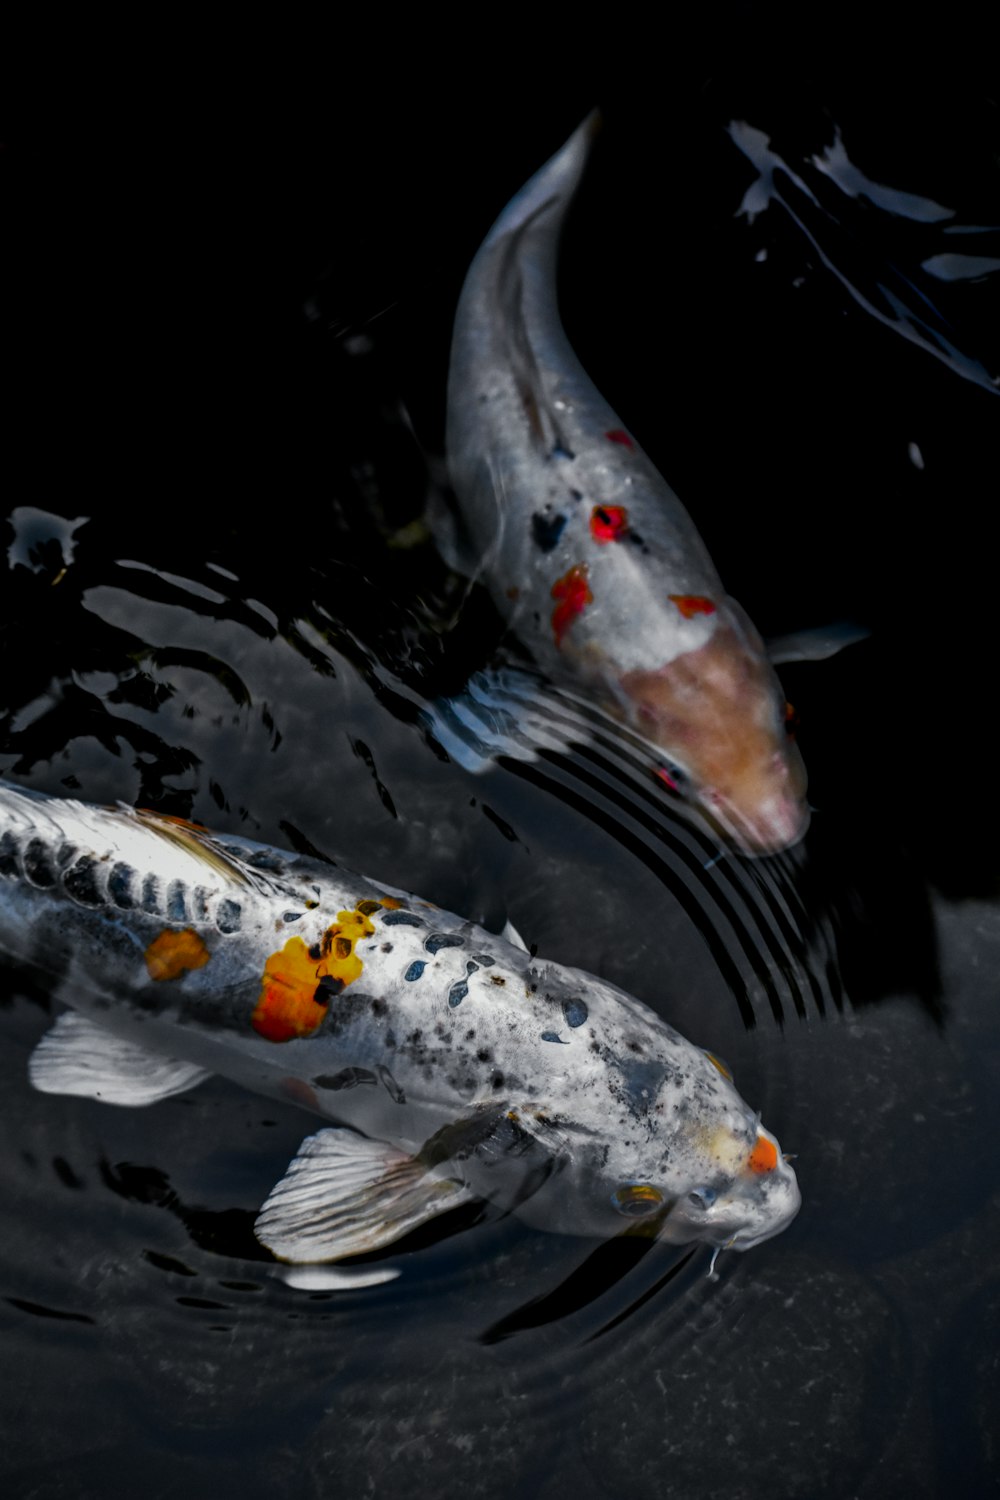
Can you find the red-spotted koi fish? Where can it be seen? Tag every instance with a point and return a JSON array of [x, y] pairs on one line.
[[587, 550], [450, 1064]]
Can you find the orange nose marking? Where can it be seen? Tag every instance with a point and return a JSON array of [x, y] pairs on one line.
[[763, 1157]]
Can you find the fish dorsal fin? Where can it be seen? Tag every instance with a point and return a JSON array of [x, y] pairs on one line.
[[200, 845], [511, 935], [80, 1057], [344, 1195]]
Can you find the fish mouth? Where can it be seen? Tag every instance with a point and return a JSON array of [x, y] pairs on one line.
[[776, 826]]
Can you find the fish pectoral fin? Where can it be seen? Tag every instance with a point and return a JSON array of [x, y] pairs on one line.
[[345, 1195], [78, 1056], [503, 712], [816, 644]]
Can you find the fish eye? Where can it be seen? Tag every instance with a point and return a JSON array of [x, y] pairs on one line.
[[636, 1199], [702, 1197], [673, 776]]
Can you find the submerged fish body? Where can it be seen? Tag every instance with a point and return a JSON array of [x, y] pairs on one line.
[[449, 1062], [586, 549]]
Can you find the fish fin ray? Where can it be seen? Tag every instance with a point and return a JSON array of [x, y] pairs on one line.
[[80, 1057], [344, 1195], [816, 644]]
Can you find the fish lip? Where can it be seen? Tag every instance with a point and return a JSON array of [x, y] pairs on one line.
[[740, 831]]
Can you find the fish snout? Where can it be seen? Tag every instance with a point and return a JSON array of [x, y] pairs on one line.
[[766, 811]]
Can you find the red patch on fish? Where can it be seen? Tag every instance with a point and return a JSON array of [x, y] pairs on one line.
[[763, 1157], [692, 604], [667, 779], [791, 720], [573, 592], [299, 982], [608, 523], [619, 435]]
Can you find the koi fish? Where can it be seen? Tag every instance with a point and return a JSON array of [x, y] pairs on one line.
[[447, 1062], [587, 550]]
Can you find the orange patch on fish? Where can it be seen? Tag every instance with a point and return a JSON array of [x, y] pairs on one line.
[[608, 523], [763, 1157], [299, 982], [390, 903], [173, 953], [573, 592], [692, 604]]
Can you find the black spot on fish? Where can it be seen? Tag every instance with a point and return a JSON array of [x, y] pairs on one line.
[[80, 883], [176, 911], [553, 1036], [439, 940], [486, 959], [290, 916], [199, 903], [496, 1082], [577, 494], [8, 854], [484, 1054], [471, 967], [67, 854], [347, 1078], [343, 947], [315, 952], [367, 907], [379, 1008], [386, 948], [120, 885], [575, 1012], [547, 529], [416, 969], [327, 989], [392, 1088], [497, 979], [458, 992], [401, 919], [151, 894], [38, 865], [228, 916]]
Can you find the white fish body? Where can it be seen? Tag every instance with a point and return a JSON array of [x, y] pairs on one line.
[[450, 1063], [586, 549]]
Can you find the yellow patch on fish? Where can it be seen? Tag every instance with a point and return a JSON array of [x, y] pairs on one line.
[[299, 982], [173, 953]]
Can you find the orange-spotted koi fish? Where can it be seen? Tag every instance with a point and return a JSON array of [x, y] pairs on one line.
[[453, 1064], [589, 553]]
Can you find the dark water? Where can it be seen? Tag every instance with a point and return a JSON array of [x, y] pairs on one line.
[[230, 349]]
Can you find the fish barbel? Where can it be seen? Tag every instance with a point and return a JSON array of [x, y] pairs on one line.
[[448, 1062]]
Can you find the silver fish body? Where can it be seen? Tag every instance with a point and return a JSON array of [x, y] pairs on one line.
[[587, 550], [446, 1061]]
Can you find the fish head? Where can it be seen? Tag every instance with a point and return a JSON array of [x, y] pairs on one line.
[[651, 1137], [708, 1170], [720, 718]]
